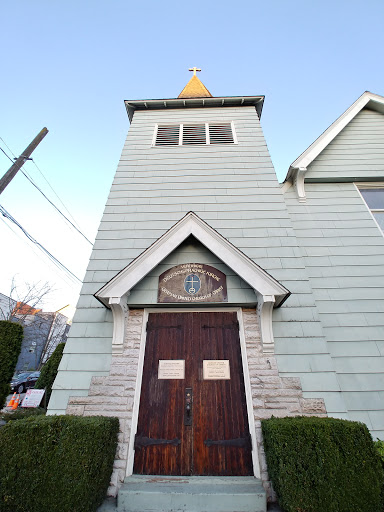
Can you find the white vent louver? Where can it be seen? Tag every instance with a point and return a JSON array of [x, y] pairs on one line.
[[168, 135], [188, 134], [220, 133], [194, 134]]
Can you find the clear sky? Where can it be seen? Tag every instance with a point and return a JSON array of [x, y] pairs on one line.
[[69, 66]]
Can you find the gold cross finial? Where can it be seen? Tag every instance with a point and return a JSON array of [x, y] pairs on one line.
[[194, 70]]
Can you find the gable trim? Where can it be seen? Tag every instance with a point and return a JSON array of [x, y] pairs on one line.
[[298, 168], [270, 293], [191, 224]]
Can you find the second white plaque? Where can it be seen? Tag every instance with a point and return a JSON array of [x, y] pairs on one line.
[[216, 369]]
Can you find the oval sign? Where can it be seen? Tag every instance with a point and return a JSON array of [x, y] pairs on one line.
[[192, 284]]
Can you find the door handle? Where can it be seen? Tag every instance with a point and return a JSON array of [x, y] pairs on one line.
[[188, 407]]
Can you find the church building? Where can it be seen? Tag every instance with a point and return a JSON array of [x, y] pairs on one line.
[[216, 297]]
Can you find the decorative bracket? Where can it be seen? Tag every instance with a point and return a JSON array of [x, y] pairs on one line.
[[299, 184], [120, 313], [265, 305]]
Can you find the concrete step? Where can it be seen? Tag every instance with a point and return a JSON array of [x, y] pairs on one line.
[[144, 493]]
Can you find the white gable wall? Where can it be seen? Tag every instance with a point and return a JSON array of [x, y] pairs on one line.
[[343, 251], [357, 152], [191, 251]]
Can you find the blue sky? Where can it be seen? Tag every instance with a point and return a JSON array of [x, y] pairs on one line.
[[69, 66]]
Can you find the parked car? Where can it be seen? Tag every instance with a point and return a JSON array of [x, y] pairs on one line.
[[20, 383]]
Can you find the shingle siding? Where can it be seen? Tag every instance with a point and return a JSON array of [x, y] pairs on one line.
[[343, 252], [231, 187], [357, 152]]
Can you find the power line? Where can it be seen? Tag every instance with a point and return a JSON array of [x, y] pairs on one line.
[[41, 172], [56, 208], [8, 148], [42, 193], [64, 276], [50, 186], [60, 265]]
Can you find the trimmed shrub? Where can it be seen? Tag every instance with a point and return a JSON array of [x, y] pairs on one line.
[[21, 414], [11, 337], [56, 463], [322, 465], [49, 371], [379, 445]]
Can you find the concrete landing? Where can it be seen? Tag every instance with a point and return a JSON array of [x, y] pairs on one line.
[[141, 493]]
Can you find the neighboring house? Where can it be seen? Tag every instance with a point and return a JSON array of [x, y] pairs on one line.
[[7, 305], [216, 297], [42, 332]]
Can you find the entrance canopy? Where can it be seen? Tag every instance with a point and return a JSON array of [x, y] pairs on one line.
[[270, 293]]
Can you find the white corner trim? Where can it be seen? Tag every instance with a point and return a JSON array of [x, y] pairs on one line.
[[299, 184], [248, 396], [191, 224], [306, 158], [136, 400], [120, 313], [265, 306]]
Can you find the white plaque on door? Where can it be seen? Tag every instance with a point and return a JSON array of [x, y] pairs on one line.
[[216, 369], [171, 369]]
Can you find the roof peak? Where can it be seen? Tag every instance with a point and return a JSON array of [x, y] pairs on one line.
[[195, 88]]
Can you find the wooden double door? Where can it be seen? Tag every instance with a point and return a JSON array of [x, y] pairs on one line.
[[193, 424]]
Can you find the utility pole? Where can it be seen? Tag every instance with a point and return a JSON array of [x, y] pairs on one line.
[[12, 171]]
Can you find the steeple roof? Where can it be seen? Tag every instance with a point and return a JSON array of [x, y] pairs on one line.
[[195, 89]]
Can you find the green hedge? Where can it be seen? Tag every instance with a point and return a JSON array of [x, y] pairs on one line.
[[11, 337], [49, 372], [56, 463], [323, 465], [21, 413]]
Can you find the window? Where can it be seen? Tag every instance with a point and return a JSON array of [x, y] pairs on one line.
[[191, 134], [374, 197]]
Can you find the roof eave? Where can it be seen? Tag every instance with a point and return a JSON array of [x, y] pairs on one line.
[[366, 100], [172, 103]]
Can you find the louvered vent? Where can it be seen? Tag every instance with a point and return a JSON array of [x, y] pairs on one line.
[[168, 135], [194, 134], [189, 134], [220, 134]]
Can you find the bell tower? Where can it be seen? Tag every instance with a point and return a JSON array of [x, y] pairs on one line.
[[188, 294]]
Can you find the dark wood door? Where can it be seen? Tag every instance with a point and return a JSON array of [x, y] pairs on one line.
[[217, 441]]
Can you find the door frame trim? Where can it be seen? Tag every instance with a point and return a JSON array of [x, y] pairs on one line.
[[247, 381]]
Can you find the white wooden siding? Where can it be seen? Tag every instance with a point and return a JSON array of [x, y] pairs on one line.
[[343, 251], [357, 152], [234, 189]]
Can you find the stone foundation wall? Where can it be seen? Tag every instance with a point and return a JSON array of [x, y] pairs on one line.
[[114, 395]]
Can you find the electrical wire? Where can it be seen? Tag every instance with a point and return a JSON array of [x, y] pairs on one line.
[[60, 265], [64, 276], [56, 208], [53, 190], [13, 154], [42, 193], [41, 172]]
